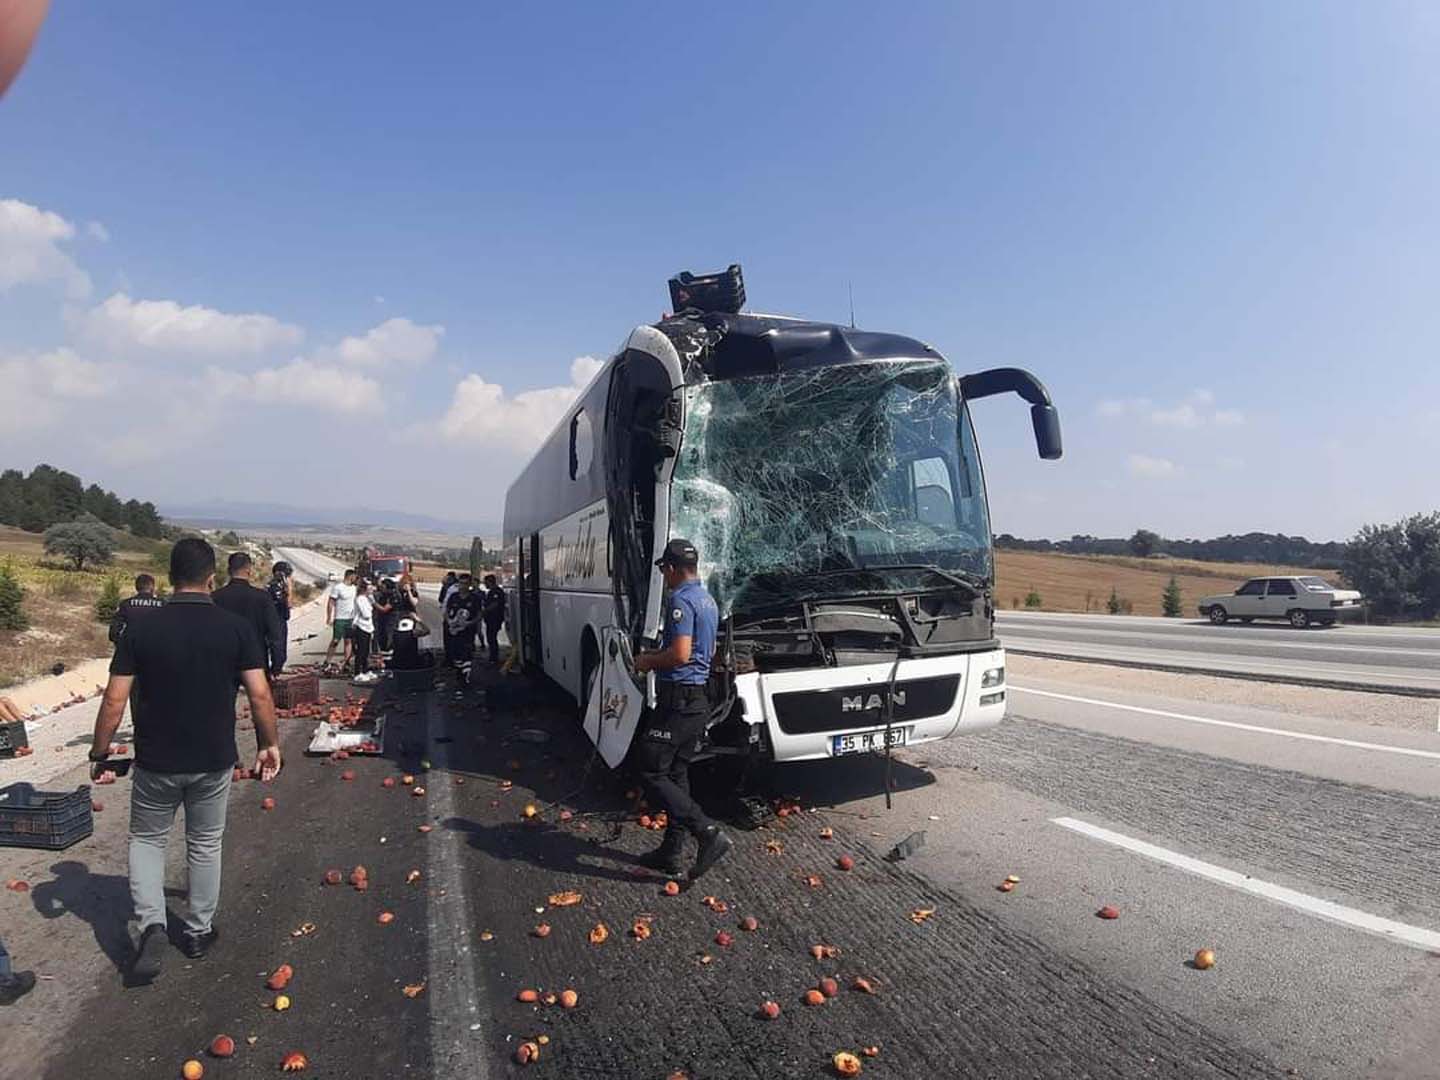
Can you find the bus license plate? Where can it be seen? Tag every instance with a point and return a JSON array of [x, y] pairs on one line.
[[862, 742]]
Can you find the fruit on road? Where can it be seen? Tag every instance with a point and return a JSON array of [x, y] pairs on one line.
[[192, 1070], [333, 877], [96, 805], [281, 1003], [565, 899], [1205, 959], [222, 1046], [1013, 879], [1006, 886], [348, 774], [845, 862], [412, 877], [530, 810], [829, 987], [385, 918], [407, 779], [870, 1051], [846, 1063], [598, 933], [569, 999], [1108, 912], [527, 1052], [864, 985], [672, 888], [281, 977], [641, 930], [543, 930], [294, 1062], [827, 833], [824, 952], [424, 828], [528, 996], [770, 1010], [750, 923], [814, 997], [724, 938], [417, 791], [388, 782], [267, 803], [550, 998], [813, 880]]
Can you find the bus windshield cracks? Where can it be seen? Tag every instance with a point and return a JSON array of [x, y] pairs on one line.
[[837, 481]]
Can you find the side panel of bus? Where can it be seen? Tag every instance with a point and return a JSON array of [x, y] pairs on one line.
[[575, 590]]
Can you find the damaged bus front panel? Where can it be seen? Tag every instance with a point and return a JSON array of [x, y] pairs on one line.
[[831, 480]]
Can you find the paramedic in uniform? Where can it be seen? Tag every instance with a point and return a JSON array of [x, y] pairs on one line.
[[670, 743]]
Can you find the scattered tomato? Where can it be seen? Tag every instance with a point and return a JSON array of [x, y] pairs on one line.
[[1205, 959], [814, 997], [846, 1063], [641, 930], [385, 918], [1108, 912], [528, 996], [527, 1052], [870, 1051], [598, 933], [294, 1062], [542, 930], [281, 977], [569, 999], [1006, 886], [222, 1046], [724, 939], [388, 782], [192, 1070], [750, 923], [267, 803], [407, 779], [845, 862], [672, 888], [864, 985], [348, 774], [829, 987], [770, 1010]]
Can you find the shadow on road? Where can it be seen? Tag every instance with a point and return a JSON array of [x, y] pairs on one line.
[[550, 848]]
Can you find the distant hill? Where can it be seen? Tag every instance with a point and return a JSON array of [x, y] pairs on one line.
[[222, 514], [1255, 547]]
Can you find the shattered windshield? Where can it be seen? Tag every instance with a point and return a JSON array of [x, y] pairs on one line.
[[854, 480]]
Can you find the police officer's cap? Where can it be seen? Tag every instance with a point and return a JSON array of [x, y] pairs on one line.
[[679, 553]]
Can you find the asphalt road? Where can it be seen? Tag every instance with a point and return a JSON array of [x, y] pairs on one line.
[[311, 565], [1021, 983], [1357, 656]]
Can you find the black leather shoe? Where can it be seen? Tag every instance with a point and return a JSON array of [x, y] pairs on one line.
[[15, 986], [196, 945], [668, 858], [151, 956], [715, 844]]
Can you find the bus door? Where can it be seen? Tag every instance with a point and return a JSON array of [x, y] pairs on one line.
[[615, 700], [529, 581]]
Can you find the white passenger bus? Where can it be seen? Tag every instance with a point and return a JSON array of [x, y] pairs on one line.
[[831, 480]]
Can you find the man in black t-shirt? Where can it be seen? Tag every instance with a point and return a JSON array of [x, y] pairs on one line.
[[493, 610], [184, 662], [253, 605], [142, 604], [462, 618]]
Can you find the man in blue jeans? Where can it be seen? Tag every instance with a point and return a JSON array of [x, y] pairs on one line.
[[671, 741], [184, 662], [13, 984]]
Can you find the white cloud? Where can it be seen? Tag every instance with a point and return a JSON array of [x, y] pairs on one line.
[[1195, 411], [1149, 468], [121, 324], [394, 341], [480, 411], [300, 382], [38, 386], [30, 251], [96, 231]]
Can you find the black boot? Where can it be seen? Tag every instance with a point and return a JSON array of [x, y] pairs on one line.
[[715, 844], [14, 987], [669, 857]]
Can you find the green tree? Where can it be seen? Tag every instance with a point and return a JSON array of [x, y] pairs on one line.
[[109, 601], [1397, 566], [1032, 598], [80, 542], [1114, 605], [12, 596], [1170, 600], [1146, 543]]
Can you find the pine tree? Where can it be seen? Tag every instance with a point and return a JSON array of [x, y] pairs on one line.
[[1170, 601], [1114, 605], [109, 601], [12, 616]]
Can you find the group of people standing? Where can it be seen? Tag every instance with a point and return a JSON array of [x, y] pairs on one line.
[[363, 617], [470, 611]]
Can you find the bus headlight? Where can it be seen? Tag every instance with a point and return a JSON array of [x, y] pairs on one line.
[[994, 677]]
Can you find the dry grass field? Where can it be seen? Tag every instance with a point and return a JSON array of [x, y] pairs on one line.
[[1083, 582], [60, 605]]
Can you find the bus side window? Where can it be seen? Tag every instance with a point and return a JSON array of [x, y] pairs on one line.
[[582, 445]]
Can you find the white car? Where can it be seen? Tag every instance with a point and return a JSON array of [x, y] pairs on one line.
[[1299, 600]]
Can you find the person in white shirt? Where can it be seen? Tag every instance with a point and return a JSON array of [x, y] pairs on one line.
[[340, 614], [362, 629]]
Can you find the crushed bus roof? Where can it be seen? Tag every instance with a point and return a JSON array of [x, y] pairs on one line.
[[735, 346]]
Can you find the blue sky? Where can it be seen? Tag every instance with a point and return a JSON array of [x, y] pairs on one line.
[[335, 254]]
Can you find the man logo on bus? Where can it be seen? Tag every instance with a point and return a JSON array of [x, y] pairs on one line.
[[861, 703]]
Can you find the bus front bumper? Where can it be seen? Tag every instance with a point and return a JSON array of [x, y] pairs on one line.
[[816, 713]]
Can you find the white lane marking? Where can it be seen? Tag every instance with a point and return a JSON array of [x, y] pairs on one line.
[[1260, 729], [1414, 936], [457, 1040]]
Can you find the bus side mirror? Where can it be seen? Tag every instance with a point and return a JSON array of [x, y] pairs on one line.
[[1046, 421]]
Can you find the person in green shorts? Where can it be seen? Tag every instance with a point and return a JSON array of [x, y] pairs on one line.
[[340, 614]]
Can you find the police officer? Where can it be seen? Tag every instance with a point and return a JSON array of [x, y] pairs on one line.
[[672, 740]]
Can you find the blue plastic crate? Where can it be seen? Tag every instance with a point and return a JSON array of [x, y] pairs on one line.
[[44, 819]]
